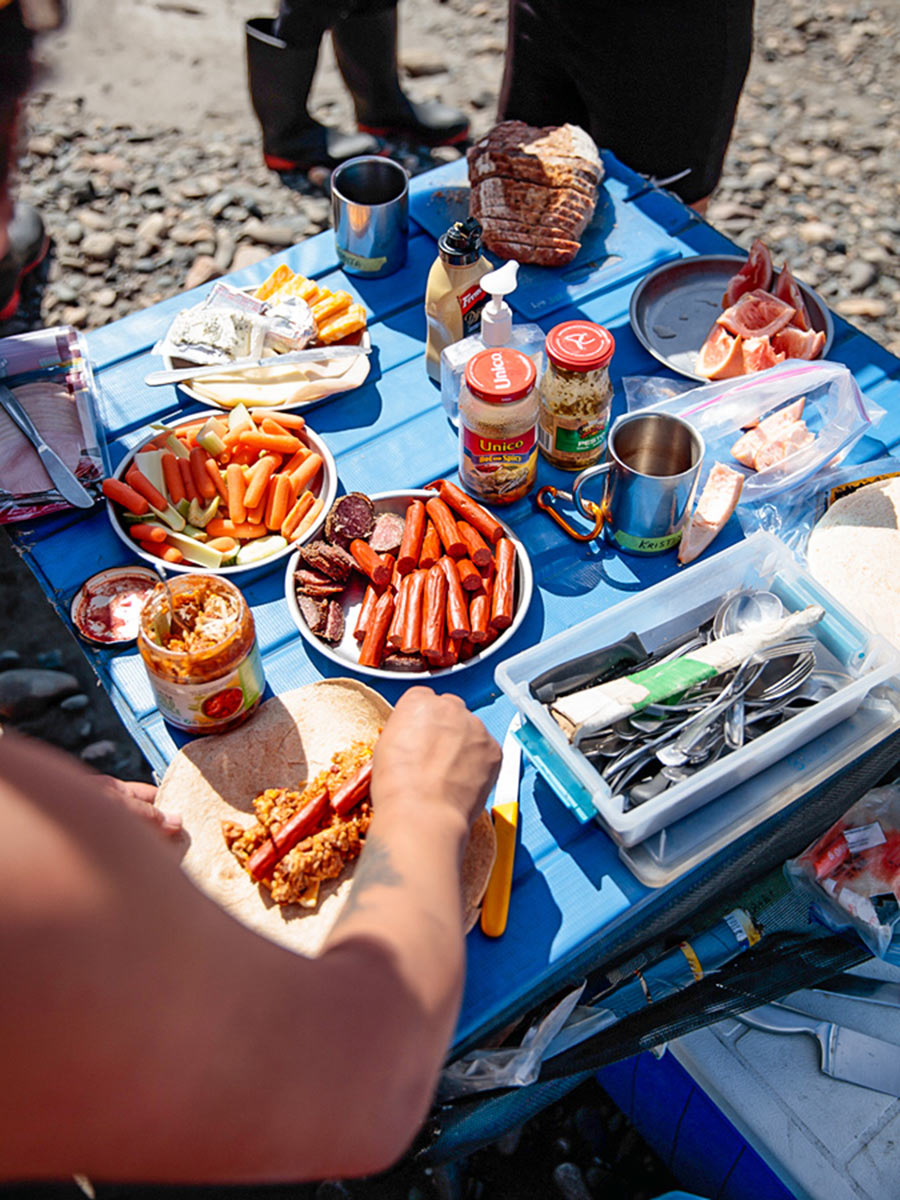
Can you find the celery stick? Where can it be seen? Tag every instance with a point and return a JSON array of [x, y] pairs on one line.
[[177, 446], [171, 516], [196, 552]]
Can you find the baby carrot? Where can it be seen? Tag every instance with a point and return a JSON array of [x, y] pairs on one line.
[[278, 502], [285, 419], [215, 475], [136, 478], [187, 479], [222, 527], [270, 425], [306, 472], [259, 483], [293, 463], [257, 514], [172, 476], [225, 545], [121, 493], [234, 482], [147, 533], [296, 514], [170, 554], [307, 521], [281, 444], [202, 481]]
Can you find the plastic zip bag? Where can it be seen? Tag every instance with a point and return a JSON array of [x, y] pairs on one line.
[[49, 373], [852, 872], [834, 411], [793, 517]]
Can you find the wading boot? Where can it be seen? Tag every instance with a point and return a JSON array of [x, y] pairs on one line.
[[366, 50], [28, 246], [280, 77]]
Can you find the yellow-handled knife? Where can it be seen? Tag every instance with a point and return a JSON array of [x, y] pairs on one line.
[[505, 814]]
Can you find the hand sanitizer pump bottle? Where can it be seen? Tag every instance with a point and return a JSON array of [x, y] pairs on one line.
[[497, 329]]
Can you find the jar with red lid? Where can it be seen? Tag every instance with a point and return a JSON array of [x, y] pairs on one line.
[[575, 394], [498, 412]]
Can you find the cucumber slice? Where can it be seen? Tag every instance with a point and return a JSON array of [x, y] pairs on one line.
[[149, 462], [196, 552], [260, 548]]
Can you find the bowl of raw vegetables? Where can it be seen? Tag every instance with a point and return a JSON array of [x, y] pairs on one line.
[[222, 492]]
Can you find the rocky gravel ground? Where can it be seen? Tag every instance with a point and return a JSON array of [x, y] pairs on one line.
[[147, 200]]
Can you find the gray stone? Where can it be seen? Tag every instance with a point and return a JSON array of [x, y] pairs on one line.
[[569, 1182], [202, 270], [861, 275], [73, 232], [51, 660], [75, 704], [26, 691], [99, 752], [9, 659], [94, 221], [99, 245]]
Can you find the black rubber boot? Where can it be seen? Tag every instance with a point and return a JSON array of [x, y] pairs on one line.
[[366, 50], [28, 246], [280, 77]]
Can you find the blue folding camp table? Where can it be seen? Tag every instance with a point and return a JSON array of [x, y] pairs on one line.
[[572, 896]]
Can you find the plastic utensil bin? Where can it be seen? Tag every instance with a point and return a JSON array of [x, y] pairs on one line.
[[675, 607]]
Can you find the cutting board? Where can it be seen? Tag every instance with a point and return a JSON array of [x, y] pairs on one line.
[[621, 242]]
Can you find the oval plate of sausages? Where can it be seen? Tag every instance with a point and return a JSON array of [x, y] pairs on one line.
[[412, 583]]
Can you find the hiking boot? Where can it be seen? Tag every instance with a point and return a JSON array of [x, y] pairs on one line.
[[280, 76], [28, 246], [366, 50]]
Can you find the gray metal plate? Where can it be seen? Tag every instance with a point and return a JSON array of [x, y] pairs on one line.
[[674, 307]]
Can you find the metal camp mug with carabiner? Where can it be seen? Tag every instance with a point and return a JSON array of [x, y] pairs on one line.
[[652, 466]]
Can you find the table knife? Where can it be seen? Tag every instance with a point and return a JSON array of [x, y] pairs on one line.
[[845, 1054], [505, 814], [201, 370], [66, 483]]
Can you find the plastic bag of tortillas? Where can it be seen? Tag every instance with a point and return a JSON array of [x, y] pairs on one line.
[[844, 525]]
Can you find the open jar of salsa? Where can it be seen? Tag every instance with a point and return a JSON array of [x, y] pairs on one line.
[[198, 643]]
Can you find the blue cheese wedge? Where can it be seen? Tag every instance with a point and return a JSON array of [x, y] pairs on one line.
[[212, 331]]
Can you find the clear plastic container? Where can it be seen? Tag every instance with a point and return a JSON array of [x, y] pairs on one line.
[[672, 608]]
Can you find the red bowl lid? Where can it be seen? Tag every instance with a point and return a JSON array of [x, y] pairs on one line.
[[500, 374], [579, 345]]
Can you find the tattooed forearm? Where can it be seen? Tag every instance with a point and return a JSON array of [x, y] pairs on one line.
[[374, 869]]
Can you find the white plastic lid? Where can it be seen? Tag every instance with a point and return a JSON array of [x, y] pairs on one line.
[[496, 316]]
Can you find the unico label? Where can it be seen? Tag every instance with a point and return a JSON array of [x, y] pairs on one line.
[[487, 452]]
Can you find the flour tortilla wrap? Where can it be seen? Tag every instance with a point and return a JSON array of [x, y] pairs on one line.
[[289, 740], [854, 552], [291, 384]]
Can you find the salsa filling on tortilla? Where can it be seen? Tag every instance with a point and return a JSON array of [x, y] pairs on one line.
[[335, 840]]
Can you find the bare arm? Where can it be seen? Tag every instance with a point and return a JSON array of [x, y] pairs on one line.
[[146, 1035]]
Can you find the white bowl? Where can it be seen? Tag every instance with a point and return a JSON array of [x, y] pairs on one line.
[[346, 652], [326, 487]]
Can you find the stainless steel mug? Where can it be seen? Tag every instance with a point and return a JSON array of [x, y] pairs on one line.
[[370, 214], [652, 466]]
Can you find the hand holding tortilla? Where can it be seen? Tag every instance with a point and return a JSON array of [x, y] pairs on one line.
[[263, 770]]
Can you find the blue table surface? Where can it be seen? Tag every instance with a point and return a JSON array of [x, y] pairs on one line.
[[571, 892]]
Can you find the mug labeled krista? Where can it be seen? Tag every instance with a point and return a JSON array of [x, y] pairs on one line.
[[370, 215], [652, 467]]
